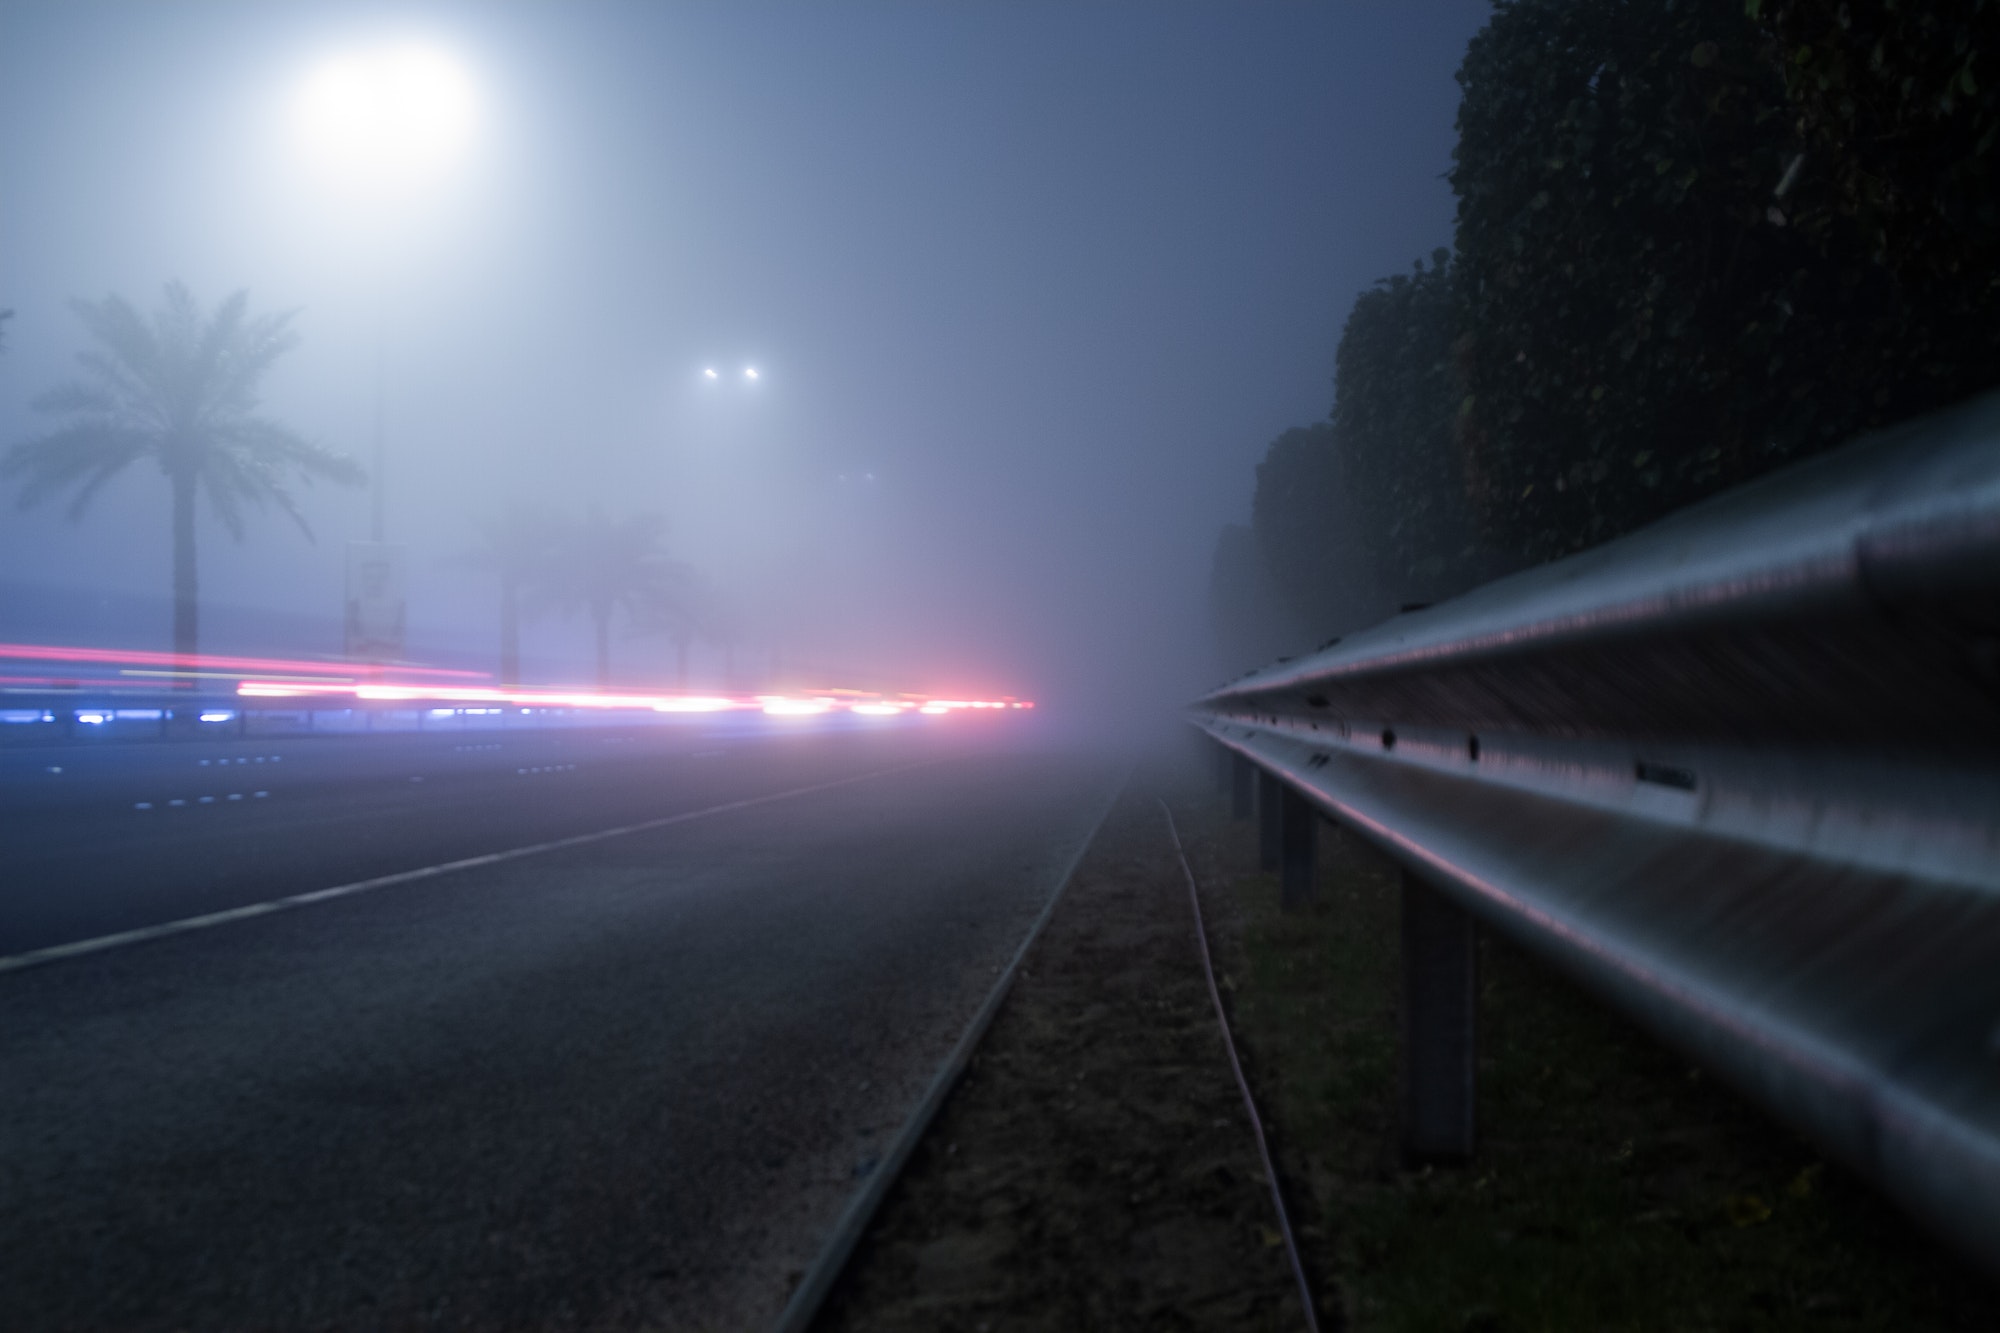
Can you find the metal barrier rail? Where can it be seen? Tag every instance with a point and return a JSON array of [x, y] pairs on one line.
[[1739, 773]]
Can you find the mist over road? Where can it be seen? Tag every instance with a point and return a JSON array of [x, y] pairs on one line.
[[621, 1083]]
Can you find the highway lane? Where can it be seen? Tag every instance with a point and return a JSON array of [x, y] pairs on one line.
[[105, 838], [623, 1084]]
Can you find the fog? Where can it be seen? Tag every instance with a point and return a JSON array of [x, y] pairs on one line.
[[1027, 289]]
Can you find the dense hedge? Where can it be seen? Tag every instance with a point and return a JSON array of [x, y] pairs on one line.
[[1307, 529], [1697, 240], [1396, 394]]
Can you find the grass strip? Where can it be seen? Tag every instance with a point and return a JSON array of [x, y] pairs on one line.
[[1615, 1187]]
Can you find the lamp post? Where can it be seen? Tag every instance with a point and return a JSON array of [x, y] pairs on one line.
[[382, 120]]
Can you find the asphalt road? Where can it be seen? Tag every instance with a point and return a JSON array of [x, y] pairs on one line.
[[626, 1083]]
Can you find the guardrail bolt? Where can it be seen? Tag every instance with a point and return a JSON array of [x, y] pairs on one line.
[[1440, 1002], [1270, 821], [1298, 846], [1242, 780]]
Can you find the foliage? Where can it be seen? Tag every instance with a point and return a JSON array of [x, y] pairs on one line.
[[695, 609], [1899, 134], [1368, 510], [179, 390], [601, 566], [1396, 396], [1698, 240], [1247, 623], [516, 546], [1306, 517]]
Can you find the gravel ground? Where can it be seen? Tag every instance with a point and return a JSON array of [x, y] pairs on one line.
[[1095, 1169]]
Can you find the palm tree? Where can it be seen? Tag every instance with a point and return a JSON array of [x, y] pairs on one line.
[[694, 611], [518, 545], [601, 565], [180, 390]]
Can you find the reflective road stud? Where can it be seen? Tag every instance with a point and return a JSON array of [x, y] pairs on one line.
[[1440, 998]]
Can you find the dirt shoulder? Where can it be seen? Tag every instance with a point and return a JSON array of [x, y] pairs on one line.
[[1095, 1167], [1095, 1170]]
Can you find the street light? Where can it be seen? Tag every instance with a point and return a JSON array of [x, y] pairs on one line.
[[384, 119], [389, 112]]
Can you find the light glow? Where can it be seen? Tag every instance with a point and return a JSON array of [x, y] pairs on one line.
[[749, 372], [776, 705], [397, 109]]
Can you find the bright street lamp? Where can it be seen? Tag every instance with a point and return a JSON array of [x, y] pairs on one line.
[[385, 118], [389, 111]]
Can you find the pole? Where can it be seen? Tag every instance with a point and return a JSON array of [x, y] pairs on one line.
[[1298, 837], [1440, 1001], [378, 482], [1270, 820]]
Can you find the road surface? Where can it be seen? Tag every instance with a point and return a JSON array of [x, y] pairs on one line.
[[623, 1083]]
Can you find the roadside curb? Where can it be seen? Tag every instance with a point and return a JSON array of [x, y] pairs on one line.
[[819, 1279]]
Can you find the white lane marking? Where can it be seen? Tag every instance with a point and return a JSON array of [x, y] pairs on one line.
[[209, 800], [100, 943]]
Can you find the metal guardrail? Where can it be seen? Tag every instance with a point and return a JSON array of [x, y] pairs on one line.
[[1739, 773]]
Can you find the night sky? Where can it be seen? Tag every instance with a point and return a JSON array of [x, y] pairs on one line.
[[1028, 287]]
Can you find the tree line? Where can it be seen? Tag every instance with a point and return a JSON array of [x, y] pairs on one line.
[[1696, 240], [179, 390]]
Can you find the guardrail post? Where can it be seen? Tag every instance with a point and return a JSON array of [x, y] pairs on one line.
[[1242, 786], [1219, 767], [1298, 838], [1270, 820], [1440, 1002]]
